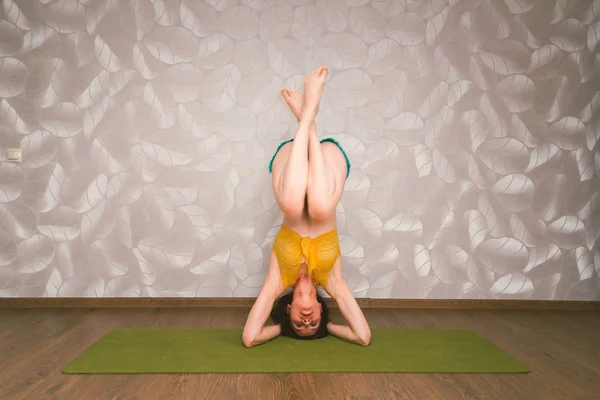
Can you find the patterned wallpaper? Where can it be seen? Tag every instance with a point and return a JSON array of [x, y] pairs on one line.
[[147, 126]]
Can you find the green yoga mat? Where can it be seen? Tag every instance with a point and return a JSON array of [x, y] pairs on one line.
[[141, 350]]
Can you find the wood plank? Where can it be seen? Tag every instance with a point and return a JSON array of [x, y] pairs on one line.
[[235, 302], [559, 346]]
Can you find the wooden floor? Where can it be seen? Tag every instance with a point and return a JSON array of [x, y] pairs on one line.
[[561, 347]]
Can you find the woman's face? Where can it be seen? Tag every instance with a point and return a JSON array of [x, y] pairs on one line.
[[305, 310]]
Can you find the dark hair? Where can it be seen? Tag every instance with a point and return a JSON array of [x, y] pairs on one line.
[[280, 316]]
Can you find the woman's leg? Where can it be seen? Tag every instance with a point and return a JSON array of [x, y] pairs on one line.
[[290, 175], [326, 164], [323, 168], [330, 153], [290, 167], [327, 172]]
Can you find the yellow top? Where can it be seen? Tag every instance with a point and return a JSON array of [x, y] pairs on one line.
[[320, 254]]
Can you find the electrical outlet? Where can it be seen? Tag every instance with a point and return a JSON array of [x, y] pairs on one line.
[[13, 155]]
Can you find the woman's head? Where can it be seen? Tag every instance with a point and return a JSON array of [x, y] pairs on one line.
[[301, 316]]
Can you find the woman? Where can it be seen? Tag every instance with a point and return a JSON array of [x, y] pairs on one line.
[[308, 177]]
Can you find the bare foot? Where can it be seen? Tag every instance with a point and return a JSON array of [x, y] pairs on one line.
[[313, 88], [295, 100]]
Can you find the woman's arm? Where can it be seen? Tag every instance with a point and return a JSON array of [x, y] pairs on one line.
[[255, 332], [358, 330], [346, 333]]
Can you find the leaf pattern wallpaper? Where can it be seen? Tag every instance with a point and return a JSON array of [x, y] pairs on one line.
[[147, 126]]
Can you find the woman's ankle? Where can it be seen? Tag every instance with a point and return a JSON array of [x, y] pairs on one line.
[[309, 113]]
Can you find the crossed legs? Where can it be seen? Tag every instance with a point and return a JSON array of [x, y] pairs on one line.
[[308, 176]]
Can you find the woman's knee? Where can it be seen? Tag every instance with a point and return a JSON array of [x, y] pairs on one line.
[[321, 208], [292, 207]]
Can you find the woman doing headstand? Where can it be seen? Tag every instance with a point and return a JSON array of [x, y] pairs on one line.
[[308, 178]]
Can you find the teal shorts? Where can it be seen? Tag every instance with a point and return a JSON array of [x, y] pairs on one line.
[[332, 140]]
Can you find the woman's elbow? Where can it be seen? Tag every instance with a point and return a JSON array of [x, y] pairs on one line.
[[365, 339], [248, 340]]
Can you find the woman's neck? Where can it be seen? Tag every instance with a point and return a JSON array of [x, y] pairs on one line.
[[303, 276]]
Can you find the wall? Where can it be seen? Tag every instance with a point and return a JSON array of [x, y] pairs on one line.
[[147, 126]]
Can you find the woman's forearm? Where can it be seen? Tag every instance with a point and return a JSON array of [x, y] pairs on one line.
[[266, 333], [346, 333], [254, 330], [358, 330]]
